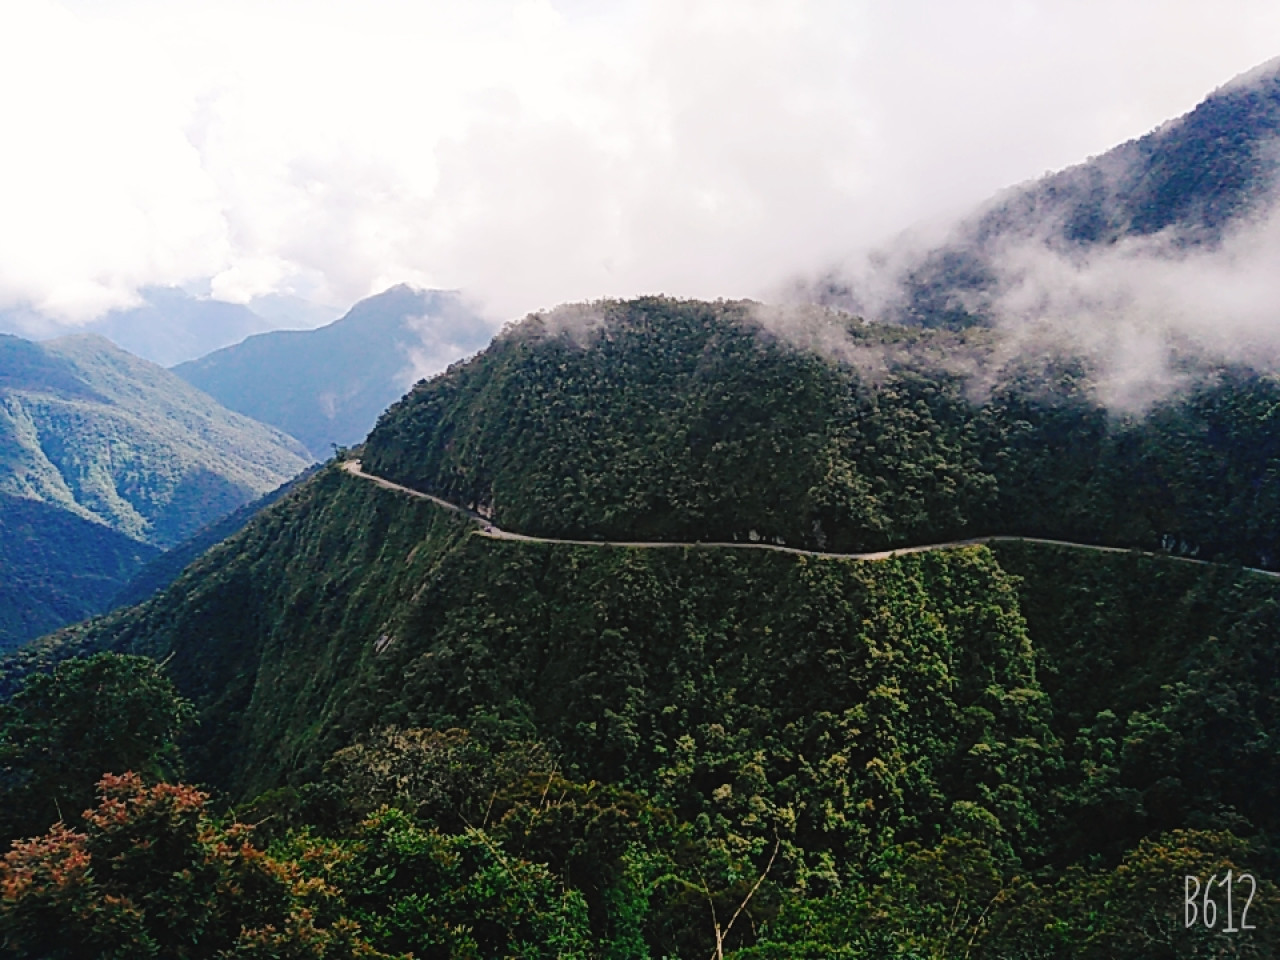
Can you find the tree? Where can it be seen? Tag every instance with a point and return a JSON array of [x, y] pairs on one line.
[[63, 730], [152, 875]]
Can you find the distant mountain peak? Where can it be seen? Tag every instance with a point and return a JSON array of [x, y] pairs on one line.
[[328, 385]]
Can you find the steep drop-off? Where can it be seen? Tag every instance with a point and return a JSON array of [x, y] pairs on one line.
[[1008, 735]]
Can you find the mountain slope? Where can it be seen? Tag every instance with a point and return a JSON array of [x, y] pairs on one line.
[[1192, 181], [676, 420], [969, 716], [114, 438], [165, 568], [57, 568], [171, 326], [1069, 712], [329, 385], [103, 459]]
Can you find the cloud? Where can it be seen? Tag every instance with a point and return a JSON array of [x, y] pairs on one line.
[[533, 152], [99, 191], [454, 329], [1144, 308]]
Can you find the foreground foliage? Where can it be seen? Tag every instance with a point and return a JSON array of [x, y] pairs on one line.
[[62, 730]]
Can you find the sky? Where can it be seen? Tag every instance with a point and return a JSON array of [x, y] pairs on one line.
[[532, 152]]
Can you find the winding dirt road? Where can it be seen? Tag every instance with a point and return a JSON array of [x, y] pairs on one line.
[[488, 529]]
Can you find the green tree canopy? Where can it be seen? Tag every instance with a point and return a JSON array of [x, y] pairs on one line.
[[109, 713]]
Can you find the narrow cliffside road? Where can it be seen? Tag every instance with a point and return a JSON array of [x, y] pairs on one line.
[[489, 529]]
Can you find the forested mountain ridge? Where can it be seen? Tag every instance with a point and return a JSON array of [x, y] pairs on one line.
[[658, 419], [1020, 748], [328, 385], [114, 438], [123, 458]]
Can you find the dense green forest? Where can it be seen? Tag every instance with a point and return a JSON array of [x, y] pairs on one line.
[[486, 748], [366, 729], [57, 568], [677, 420]]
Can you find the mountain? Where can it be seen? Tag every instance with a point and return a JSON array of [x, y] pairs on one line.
[[113, 438], [57, 568], [1191, 182], [170, 325], [104, 458], [161, 571], [861, 756], [327, 386], [675, 420]]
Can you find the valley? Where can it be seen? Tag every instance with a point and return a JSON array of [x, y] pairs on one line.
[[1021, 714]]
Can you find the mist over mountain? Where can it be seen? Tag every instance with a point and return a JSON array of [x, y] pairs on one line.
[[329, 385], [104, 458], [1161, 248], [951, 635]]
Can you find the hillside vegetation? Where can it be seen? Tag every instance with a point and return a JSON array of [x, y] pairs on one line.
[[104, 460], [932, 721], [459, 746], [677, 420], [57, 568], [165, 568], [107, 436]]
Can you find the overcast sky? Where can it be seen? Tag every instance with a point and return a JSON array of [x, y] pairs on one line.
[[534, 152]]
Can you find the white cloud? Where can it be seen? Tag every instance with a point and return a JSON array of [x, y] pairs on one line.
[[534, 152], [1140, 308]]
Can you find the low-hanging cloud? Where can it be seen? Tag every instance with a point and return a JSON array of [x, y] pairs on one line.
[[1149, 315], [454, 329], [1145, 311]]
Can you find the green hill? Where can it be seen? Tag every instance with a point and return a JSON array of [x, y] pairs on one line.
[[1063, 707], [676, 420], [103, 459]]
